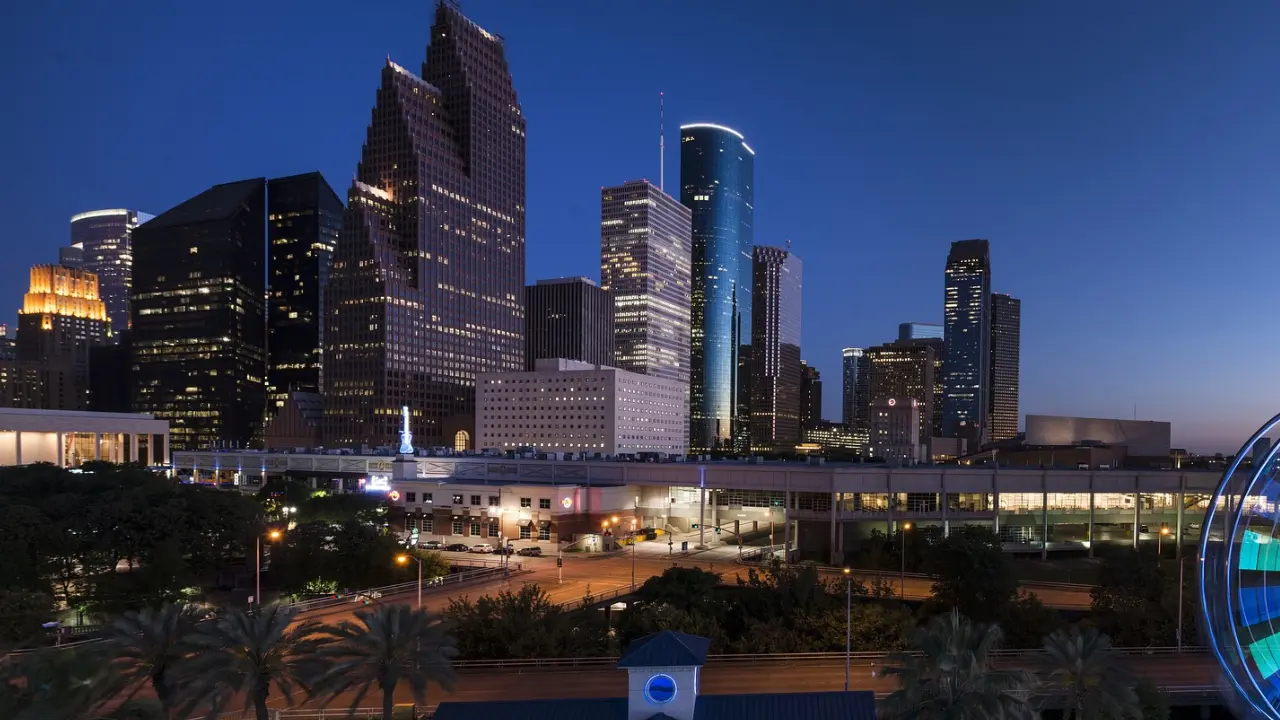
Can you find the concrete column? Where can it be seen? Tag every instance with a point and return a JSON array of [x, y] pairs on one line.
[[1137, 514], [786, 526], [995, 510], [133, 447], [61, 439], [1092, 500], [97, 446], [835, 501], [944, 506], [164, 458], [1182, 504], [888, 489], [702, 518], [17, 447], [1044, 523]]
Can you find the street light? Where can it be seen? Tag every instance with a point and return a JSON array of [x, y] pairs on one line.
[[848, 623], [903, 532], [1164, 530], [257, 559], [402, 559]]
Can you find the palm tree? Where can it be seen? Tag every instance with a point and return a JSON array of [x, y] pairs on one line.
[[68, 683], [950, 677], [389, 643], [150, 642], [1083, 667], [244, 656]]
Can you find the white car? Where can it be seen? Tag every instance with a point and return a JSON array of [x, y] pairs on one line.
[[366, 597], [482, 548]]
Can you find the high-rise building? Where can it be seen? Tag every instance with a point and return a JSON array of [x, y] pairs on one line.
[[427, 284], [967, 316], [855, 403], [717, 180], [105, 241], [569, 318], [896, 431], [71, 256], [199, 316], [63, 318], [903, 371], [303, 219], [931, 417], [1006, 338], [645, 251], [775, 349], [921, 331], [810, 396]]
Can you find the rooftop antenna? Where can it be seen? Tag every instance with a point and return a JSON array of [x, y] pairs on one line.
[[662, 141]]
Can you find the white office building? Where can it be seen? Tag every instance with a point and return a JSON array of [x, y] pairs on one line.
[[571, 406]]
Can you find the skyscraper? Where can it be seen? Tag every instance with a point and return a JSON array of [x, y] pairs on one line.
[[568, 318], [1006, 339], [900, 371], [105, 240], [717, 179], [427, 284], [63, 318], [199, 320], [645, 247], [775, 349], [920, 331], [810, 396], [303, 219], [967, 319], [855, 405]]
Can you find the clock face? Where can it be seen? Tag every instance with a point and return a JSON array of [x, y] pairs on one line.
[[660, 690]]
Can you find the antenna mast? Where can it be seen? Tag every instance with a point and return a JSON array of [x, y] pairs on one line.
[[662, 141]]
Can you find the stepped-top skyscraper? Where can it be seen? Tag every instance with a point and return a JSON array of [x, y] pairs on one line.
[[104, 239], [427, 284], [967, 324], [776, 369], [717, 182], [645, 249]]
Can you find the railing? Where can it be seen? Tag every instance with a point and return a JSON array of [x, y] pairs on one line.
[[450, 579], [757, 554], [595, 598]]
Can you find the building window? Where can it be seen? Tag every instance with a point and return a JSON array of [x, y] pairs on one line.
[[461, 441], [544, 503], [524, 532], [494, 501], [428, 525], [475, 528], [493, 528], [426, 497], [457, 527], [411, 497], [457, 499], [544, 532], [475, 500], [526, 502]]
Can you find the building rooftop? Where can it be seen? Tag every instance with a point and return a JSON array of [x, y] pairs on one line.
[[666, 648], [217, 203]]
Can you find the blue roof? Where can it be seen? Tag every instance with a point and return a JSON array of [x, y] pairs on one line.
[[666, 649], [860, 705]]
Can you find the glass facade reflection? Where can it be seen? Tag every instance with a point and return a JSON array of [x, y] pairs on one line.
[[967, 327], [103, 242], [775, 344], [717, 181], [855, 406]]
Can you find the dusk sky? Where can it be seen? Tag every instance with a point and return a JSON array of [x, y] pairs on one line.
[[1120, 156]]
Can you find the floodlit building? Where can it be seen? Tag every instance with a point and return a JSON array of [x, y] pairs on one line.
[[62, 320], [71, 438]]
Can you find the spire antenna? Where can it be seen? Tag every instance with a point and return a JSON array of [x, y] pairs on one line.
[[662, 141]]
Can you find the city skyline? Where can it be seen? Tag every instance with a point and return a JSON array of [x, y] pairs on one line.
[[1103, 373]]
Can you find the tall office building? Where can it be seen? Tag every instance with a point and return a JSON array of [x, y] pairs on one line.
[[810, 396], [717, 180], [920, 331], [63, 318], [855, 403], [1006, 339], [105, 241], [645, 251], [775, 349], [198, 343], [967, 320], [569, 318], [427, 284], [931, 417], [304, 216], [901, 371]]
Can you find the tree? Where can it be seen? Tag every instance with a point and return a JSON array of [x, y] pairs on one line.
[[388, 644], [148, 644], [69, 684], [245, 656], [688, 589], [1028, 621], [525, 624], [22, 614], [1154, 703], [1083, 668], [951, 677], [971, 573], [1128, 601]]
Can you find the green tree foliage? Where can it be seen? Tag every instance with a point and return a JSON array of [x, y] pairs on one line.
[[687, 589], [68, 684], [344, 508], [1028, 622], [351, 555], [881, 551], [526, 624], [1085, 673], [971, 573], [1154, 703], [21, 615], [1129, 601]]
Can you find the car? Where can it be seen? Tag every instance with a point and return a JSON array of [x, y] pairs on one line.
[[530, 551], [457, 547], [482, 548], [431, 545], [366, 597]]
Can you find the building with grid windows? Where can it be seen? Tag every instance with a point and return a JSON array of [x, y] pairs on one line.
[[569, 318], [102, 243], [810, 396], [903, 371], [855, 404], [967, 329], [775, 359], [1006, 343], [63, 319]]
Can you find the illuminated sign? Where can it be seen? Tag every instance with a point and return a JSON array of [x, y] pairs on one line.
[[566, 503], [892, 402], [660, 689], [394, 495], [378, 483]]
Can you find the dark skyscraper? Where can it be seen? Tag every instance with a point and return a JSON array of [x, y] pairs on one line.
[[855, 403], [105, 241], [775, 349], [644, 262], [903, 370], [810, 396], [303, 219], [569, 318], [1006, 339], [920, 331], [427, 284], [931, 417], [199, 321], [717, 180], [967, 319]]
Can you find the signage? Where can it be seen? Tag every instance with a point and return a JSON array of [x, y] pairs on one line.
[[660, 689], [566, 503], [394, 495], [378, 483]]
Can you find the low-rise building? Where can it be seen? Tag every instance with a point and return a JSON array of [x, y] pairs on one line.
[[69, 438]]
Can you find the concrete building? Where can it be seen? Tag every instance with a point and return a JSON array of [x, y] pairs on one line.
[[905, 371], [569, 318], [1142, 438], [895, 431], [569, 406], [70, 438]]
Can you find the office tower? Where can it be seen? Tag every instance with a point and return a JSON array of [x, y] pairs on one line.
[[931, 417], [855, 405], [199, 318], [903, 371], [810, 396], [427, 284], [304, 216], [62, 319], [920, 331], [105, 239], [717, 177], [72, 256], [967, 316], [111, 375], [569, 318], [896, 431], [645, 251], [775, 349], [1006, 331], [8, 344]]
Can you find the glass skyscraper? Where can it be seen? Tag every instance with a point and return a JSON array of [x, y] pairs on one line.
[[967, 346], [105, 241], [855, 401], [1006, 338], [920, 331], [776, 370], [717, 179]]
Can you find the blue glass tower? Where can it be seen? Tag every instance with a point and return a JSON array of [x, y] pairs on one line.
[[967, 330], [717, 179]]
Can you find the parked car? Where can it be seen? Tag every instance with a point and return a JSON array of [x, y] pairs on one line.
[[431, 545], [457, 547], [482, 548], [530, 551]]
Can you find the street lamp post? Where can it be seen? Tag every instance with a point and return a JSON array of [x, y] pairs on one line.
[[848, 624], [1164, 530], [402, 559], [257, 562], [903, 579]]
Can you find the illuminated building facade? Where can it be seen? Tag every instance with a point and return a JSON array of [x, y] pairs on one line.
[[199, 333], [62, 320], [569, 318], [427, 284], [855, 405], [931, 418], [775, 349], [903, 372], [1006, 353], [303, 219], [645, 255], [810, 396], [717, 182], [921, 331], [967, 320], [104, 239]]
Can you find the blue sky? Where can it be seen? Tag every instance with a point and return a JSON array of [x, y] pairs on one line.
[[1120, 156]]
